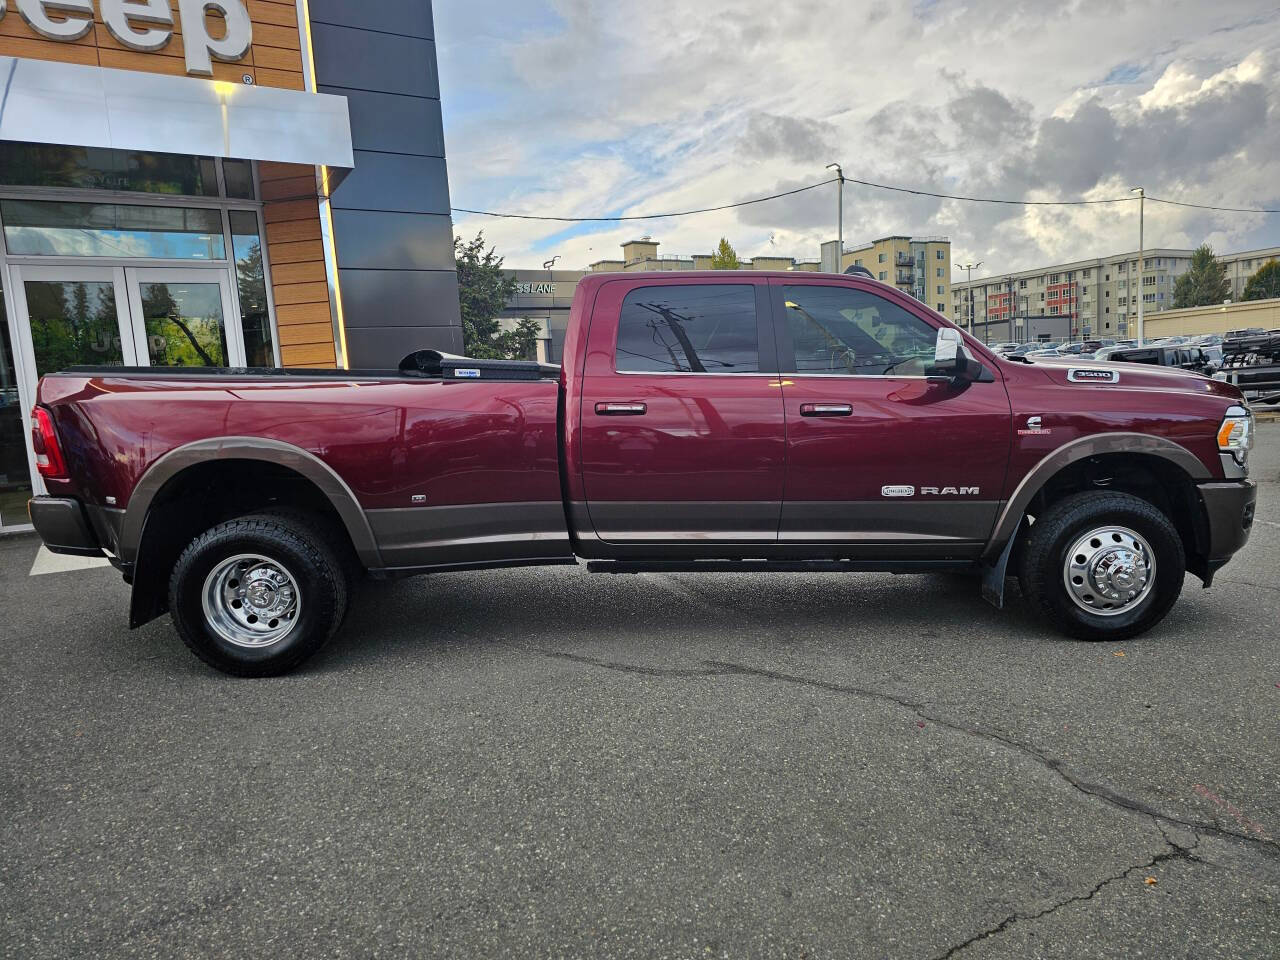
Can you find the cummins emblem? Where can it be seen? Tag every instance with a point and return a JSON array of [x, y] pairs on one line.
[[898, 490], [1093, 375]]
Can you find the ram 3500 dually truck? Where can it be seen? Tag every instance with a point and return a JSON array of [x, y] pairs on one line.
[[699, 421]]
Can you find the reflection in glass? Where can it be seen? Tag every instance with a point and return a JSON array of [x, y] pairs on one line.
[[184, 324], [252, 288], [47, 228], [73, 322], [238, 177], [689, 329], [15, 475], [100, 168]]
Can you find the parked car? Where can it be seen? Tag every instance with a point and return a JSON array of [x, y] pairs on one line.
[[700, 422], [1164, 355], [1005, 347]]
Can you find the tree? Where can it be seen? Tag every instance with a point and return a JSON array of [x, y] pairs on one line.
[[1264, 284], [1205, 283], [725, 257], [483, 291], [522, 342]]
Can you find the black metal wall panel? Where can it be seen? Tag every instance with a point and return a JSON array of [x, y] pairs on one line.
[[408, 18], [395, 181], [393, 123], [398, 300], [383, 347], [382, 240], [391, 218], [367, 60]]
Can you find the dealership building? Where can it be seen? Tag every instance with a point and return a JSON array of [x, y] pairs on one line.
[[216, 183]]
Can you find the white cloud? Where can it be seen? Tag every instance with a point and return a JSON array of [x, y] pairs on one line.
[[581, 108]]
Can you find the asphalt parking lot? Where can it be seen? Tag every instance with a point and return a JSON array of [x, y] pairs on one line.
[[548, 763]]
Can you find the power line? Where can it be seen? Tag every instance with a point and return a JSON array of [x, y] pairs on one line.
[[864, 183], [644, 216], [1205, 206]]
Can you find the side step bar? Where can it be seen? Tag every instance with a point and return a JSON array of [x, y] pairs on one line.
[[776, 566]]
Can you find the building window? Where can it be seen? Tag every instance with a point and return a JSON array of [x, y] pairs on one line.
[[1053, 277], [942, 307], [880, 258], [883, 274], [246, 244], [56, 229], [1053, 311], [939, 271], [1087, 274], [939, 255], [941, 290]]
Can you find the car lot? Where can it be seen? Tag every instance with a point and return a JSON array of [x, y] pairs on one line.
[[547, 763]]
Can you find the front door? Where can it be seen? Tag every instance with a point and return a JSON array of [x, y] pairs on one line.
[[881, 458], [182, 317], [682, 434]]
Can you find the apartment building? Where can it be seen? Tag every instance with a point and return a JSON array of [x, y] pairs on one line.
[[642, 254], [920, 266], [1085, 298]]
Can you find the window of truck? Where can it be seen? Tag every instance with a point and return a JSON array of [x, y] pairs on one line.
[[689, 328], [841, 330]]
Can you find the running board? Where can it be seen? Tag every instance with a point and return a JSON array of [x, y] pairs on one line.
[[775, 566]]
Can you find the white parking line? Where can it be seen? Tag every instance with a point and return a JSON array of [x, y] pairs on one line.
[[47, 562]]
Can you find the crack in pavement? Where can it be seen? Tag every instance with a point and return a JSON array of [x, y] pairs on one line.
[[720, 668], [1176, 852]]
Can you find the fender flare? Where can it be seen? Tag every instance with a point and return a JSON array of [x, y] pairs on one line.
[[247, 448], [1079, 449]]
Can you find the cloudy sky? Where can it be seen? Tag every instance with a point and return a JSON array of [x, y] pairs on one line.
[[581, 108]]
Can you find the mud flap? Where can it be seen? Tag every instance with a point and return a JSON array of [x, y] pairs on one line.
[[993, 576]]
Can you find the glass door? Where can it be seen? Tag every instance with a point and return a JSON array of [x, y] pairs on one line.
[[74, 316], [183, 318]]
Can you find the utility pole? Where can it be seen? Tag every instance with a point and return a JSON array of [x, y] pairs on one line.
[[839, 216], [1142, 199], [969, 268]]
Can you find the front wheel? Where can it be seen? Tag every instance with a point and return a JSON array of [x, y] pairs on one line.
[[1103, 565], [257, 595]]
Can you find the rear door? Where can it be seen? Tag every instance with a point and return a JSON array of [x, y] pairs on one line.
[[682, 429], [879, 454]]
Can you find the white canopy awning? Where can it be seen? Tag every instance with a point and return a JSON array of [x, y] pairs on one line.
[[74, 105]]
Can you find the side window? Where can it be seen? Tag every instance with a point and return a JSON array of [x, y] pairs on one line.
[[689, 328], [842, 330]]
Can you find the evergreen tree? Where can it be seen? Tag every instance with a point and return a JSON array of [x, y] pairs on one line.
[[1205, 283], [725, 257], [1264, 284], [483, 291]]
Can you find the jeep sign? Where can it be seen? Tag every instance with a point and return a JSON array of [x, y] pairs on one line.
[[146, 25]]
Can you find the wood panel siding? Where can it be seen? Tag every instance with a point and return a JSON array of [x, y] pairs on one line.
[[291, 210]]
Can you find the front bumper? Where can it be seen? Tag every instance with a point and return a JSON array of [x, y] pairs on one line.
[[1228, 511], [63, 526]]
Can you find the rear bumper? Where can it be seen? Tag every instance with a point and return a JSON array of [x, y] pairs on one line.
[[63, 526], [1228, 511]]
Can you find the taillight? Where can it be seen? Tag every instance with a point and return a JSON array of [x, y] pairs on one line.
[[44, 441]]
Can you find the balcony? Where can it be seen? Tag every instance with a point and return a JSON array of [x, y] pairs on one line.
[[903, 260], [906, 278]]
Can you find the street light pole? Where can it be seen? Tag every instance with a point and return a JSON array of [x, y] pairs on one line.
[[1142, 199], [969, 268], [839, 216]]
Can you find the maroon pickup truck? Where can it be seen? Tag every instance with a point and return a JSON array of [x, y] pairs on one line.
[[700, 421]]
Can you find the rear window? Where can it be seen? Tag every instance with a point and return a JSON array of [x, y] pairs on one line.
[[689, 328]]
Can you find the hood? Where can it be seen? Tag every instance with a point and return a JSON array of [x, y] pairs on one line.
[[1134, 375]]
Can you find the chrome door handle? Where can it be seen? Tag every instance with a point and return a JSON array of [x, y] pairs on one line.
[[610, 409], [826, 410]]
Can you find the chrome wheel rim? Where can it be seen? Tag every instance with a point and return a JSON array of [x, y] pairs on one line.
[[251, 600], [1109, 570]]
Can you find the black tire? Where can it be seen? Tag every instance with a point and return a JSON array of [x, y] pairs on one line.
[[300, 545], [1044, 560]]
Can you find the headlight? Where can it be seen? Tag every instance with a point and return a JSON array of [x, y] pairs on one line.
[[1235, 436]]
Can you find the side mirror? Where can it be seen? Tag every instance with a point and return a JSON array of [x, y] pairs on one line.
[[946, 353], [952, 363]]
